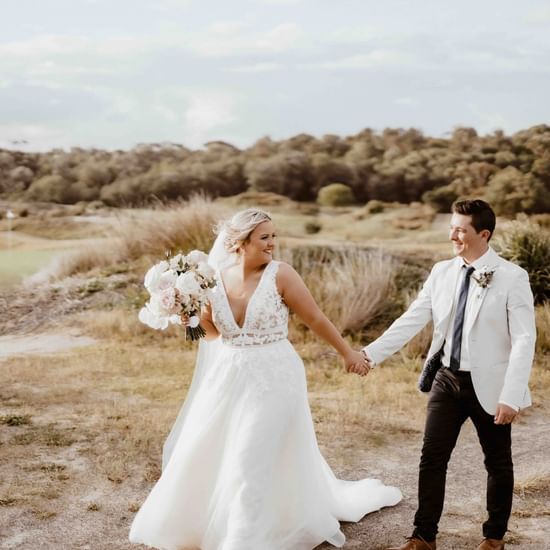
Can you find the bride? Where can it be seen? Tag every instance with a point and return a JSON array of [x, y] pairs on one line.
[[241, 467]]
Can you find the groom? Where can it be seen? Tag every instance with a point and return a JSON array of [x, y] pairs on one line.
[[484, 335]]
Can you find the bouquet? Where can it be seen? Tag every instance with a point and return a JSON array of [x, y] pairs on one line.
[[179, 285]]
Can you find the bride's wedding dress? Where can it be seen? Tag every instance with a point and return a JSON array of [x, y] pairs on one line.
[[243, 470]]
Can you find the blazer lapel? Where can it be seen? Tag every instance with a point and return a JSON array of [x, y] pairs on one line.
[[479, 293]]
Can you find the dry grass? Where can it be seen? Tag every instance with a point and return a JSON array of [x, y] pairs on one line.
[[543, 327], [384, 405], [350, 285], [532, 495]]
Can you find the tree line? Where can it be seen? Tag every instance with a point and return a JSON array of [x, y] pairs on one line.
[[403, 165]]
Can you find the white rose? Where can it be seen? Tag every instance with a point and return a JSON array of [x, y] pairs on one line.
[[167, 300], [155, 305], [196, 257], [152, 277], [187, 284], [167, 280], [148, 316], [206, 270]]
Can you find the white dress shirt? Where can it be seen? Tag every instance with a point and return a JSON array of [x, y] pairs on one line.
[[464, 350]]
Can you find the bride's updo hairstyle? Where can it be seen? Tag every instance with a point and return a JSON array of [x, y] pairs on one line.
[[240, 226]]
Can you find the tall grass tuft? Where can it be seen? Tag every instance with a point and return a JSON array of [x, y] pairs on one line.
[[350, 285], [528, 245], [543, 328], [418, 347], [190, 225], [185, 226]]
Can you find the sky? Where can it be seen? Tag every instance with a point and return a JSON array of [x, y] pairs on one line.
[[111, 74]]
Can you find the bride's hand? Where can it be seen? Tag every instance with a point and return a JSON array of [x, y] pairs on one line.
[[184, 319], [357, 363]]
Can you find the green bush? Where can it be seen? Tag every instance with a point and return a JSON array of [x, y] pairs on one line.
[[528, 245], [374, 207], [312, 227], [510, 191], [53, 188], [335, 194], [441, 198]]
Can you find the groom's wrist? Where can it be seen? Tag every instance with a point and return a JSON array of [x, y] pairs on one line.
[[516, 408], [371, 361]]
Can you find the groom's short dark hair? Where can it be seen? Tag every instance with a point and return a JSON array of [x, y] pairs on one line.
[[482, 214]]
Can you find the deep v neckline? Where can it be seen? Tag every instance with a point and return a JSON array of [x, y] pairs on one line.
[[245, 318]]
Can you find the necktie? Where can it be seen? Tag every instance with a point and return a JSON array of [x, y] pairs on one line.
[[459, 320]]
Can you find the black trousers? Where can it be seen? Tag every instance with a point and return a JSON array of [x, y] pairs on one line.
[[452, 400]]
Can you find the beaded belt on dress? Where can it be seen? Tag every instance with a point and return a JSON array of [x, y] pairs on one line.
[[254, 339]]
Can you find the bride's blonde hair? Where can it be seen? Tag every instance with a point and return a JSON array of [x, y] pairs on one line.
[[240, 226]]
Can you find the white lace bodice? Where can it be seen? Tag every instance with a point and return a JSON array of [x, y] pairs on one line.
[[266, 317]]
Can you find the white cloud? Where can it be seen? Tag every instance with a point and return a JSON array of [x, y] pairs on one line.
[[207, 111], [168, 4], [354, 35], [405, 101], [55, 69], [540, 16], [166, 113], [487, 122], [280, 2], [230, 39], [376, 58], [43, 45], [256, 68], [64, 46], [39, 138]]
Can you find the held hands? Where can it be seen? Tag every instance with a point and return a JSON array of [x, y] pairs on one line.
[[505, 414], [357, 362]]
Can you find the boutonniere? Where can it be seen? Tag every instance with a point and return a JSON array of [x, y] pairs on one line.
[[483, 277]]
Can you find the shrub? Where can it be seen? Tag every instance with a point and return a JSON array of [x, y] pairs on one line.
[[53, 188], [312, 227], [335, 194], [374, 207], [525, 243], [510, 191], [441, 198]]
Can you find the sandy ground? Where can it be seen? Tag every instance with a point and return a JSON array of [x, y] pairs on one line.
[[94, 513], [49, 342]]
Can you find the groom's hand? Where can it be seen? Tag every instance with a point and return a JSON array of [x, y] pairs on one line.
[[505, 414]]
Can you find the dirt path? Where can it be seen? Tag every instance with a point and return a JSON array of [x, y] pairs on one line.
[[47, 342]]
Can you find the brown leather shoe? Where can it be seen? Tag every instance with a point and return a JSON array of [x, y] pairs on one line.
[[491, 544], [415, 543]]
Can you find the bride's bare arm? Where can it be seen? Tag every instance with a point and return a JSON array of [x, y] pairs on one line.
[[299, 299], [208, 324]]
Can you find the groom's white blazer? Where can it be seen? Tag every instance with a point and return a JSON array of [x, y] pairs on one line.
[[500, 328]]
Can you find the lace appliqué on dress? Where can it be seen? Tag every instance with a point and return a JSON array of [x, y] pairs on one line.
[[266, 318]]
